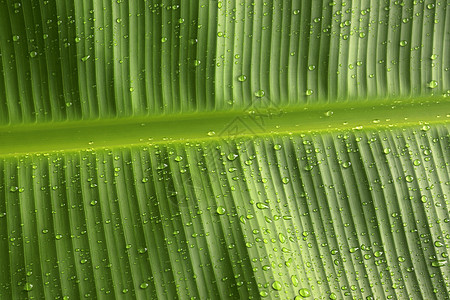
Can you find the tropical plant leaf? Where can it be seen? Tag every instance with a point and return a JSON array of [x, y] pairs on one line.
[[224, 149]]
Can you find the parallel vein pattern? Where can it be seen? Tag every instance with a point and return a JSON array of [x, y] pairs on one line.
[[357, 214], [71, 60]]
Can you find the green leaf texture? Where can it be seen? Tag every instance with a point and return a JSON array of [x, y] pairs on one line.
[[202, 149]]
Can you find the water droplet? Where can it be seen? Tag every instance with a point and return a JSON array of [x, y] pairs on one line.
[[93, 202], [211, 133], [197, 63], [433, 56], [329, 113], [281, 237], [416, 162], [409, 178], [83, 261], [263, 294], [178, 158], [33, 54], [143, 285], [432, 84], [124, 291], [309, 92], [15, 38], [28, 287], [311, 67], [439, 263], [232, 156], [378, 253], [266, 267], [424, 199], [261, 205], [403, 43], [142, 250], [260, 93], [285, 180], [304, 292], [294, 280], [346, 164], [276, 285], [425, 127], [85, 58], [401, 259], [58, 236], [439, 244], [221, 210], [242, 78], [387, 150]]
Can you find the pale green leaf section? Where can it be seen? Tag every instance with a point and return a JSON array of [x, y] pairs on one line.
[[230, 149], [355, 214]]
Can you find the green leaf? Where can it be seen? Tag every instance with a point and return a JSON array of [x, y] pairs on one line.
[[224, 149]]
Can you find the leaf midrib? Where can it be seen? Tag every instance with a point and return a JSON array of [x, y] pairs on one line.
[[107, 133]]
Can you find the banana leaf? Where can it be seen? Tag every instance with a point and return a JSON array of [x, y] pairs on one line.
[[210, 149]]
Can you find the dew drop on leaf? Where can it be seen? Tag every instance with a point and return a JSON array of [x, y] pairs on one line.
[[261, 205], [221, 210], [232, 156], [28, 287], [304, 292], [432, 84], [260, 93], [439, 263], [143, 285], [242, 78], [276, 285], [294, 280]]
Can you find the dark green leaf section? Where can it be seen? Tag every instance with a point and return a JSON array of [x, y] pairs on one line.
[[73, 60], [339, 215]]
